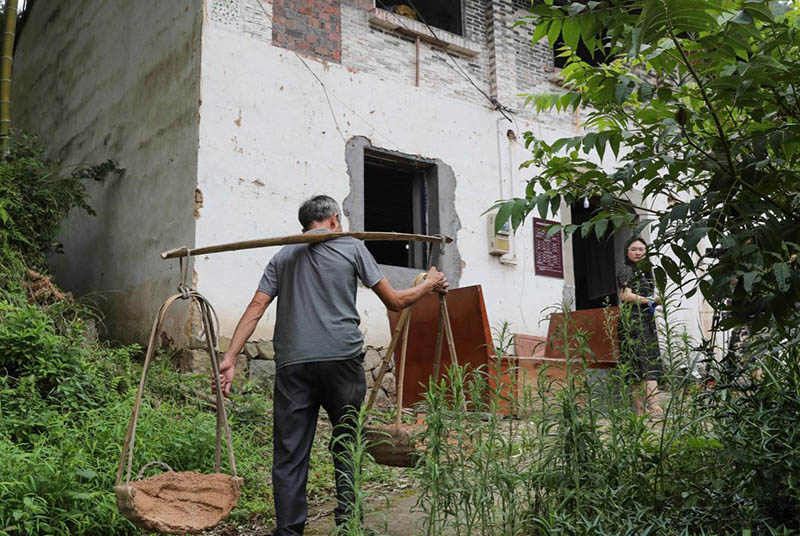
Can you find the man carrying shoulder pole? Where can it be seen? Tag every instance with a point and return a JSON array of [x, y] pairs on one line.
[[318, 349]]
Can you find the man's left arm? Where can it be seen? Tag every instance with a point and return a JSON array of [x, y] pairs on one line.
[[244, 329]]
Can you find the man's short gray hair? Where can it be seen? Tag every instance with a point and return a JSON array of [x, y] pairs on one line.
[[318, 208]]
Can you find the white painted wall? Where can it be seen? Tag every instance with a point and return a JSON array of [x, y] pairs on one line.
[[265, 120]]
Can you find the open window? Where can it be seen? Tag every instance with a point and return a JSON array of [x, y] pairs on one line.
[[397, 198], [445, 14]]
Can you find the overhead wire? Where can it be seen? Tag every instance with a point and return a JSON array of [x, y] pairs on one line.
[[327, 92], [453, 64], [493, 100]]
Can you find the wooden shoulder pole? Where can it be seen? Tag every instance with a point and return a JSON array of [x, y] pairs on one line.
[[306, 238]]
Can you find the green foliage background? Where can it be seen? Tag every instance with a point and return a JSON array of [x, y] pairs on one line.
[[697, 101], [65, 400]]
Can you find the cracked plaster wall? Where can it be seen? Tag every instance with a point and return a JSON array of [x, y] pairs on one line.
[[98, 80]]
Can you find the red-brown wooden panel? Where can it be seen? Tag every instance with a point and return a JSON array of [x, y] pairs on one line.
[[529, 345], [473, 339], [596, 323]]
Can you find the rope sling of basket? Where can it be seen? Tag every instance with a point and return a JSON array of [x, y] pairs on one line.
[[391, 445], [174, 502]]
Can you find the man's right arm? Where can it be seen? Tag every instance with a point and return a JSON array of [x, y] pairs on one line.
[[244, 329], [397, 300]]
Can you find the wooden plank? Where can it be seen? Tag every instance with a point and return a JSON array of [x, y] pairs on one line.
[[596, 324], [473, 340], [304, 238], [529, 345]]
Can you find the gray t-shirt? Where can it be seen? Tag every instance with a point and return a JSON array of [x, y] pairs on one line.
[[315, 285]]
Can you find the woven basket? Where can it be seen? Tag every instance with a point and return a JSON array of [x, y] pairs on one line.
[[178, 502], [392, 445]]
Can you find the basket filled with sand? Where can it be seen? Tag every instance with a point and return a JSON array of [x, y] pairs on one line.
[[178, 502], [393, 445]]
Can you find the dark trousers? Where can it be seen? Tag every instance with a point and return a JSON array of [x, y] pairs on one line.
[[300, 390]]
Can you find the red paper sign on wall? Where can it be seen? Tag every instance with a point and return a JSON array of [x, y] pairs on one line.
[[547, 252]]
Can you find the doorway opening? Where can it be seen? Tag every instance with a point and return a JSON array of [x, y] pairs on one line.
[[595, 261]]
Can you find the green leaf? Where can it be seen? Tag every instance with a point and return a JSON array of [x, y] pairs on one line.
[[503, 215], [660, 277], [540, 31], [779, 8], [587, 32], [748, 280], [679, 211], [614, 141], [553, 31], [622, 90], [782, 274], [518, 213], [742, 17], [600, 143], [684, 257], [589, 141], [636, 36], [705, 290], [553, 230], [600, 227], [555, 204], [759, 11], [672, 270], [86, 473], [542, 203], [571, 31], [646, 92]]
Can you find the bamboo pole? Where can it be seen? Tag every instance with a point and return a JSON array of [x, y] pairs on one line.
[[5, 75], [306, 238]]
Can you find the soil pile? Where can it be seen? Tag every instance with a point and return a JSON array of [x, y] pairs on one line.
[[178, 502]]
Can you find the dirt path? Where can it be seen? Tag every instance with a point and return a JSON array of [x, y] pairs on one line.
[[393, 515]]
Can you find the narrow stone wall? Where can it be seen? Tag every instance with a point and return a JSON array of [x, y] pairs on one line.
[[256, 363]]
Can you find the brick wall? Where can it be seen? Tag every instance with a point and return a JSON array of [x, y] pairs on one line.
[[366, 48], [312, 27], [534, 64], [475, 21]]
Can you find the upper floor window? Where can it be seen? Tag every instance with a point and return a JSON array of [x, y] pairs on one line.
[[445, 14]]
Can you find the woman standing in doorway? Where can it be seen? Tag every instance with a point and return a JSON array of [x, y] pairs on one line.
[[636, 328]]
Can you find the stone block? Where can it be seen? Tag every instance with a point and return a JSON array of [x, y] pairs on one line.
[[369, 379], [251, 350], [196, 361], [262, 371], [381, 400], [372, 359], [389, 384], [224, 344], [265, 350]]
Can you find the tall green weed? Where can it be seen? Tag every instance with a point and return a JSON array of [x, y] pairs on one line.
[[580, 461]]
